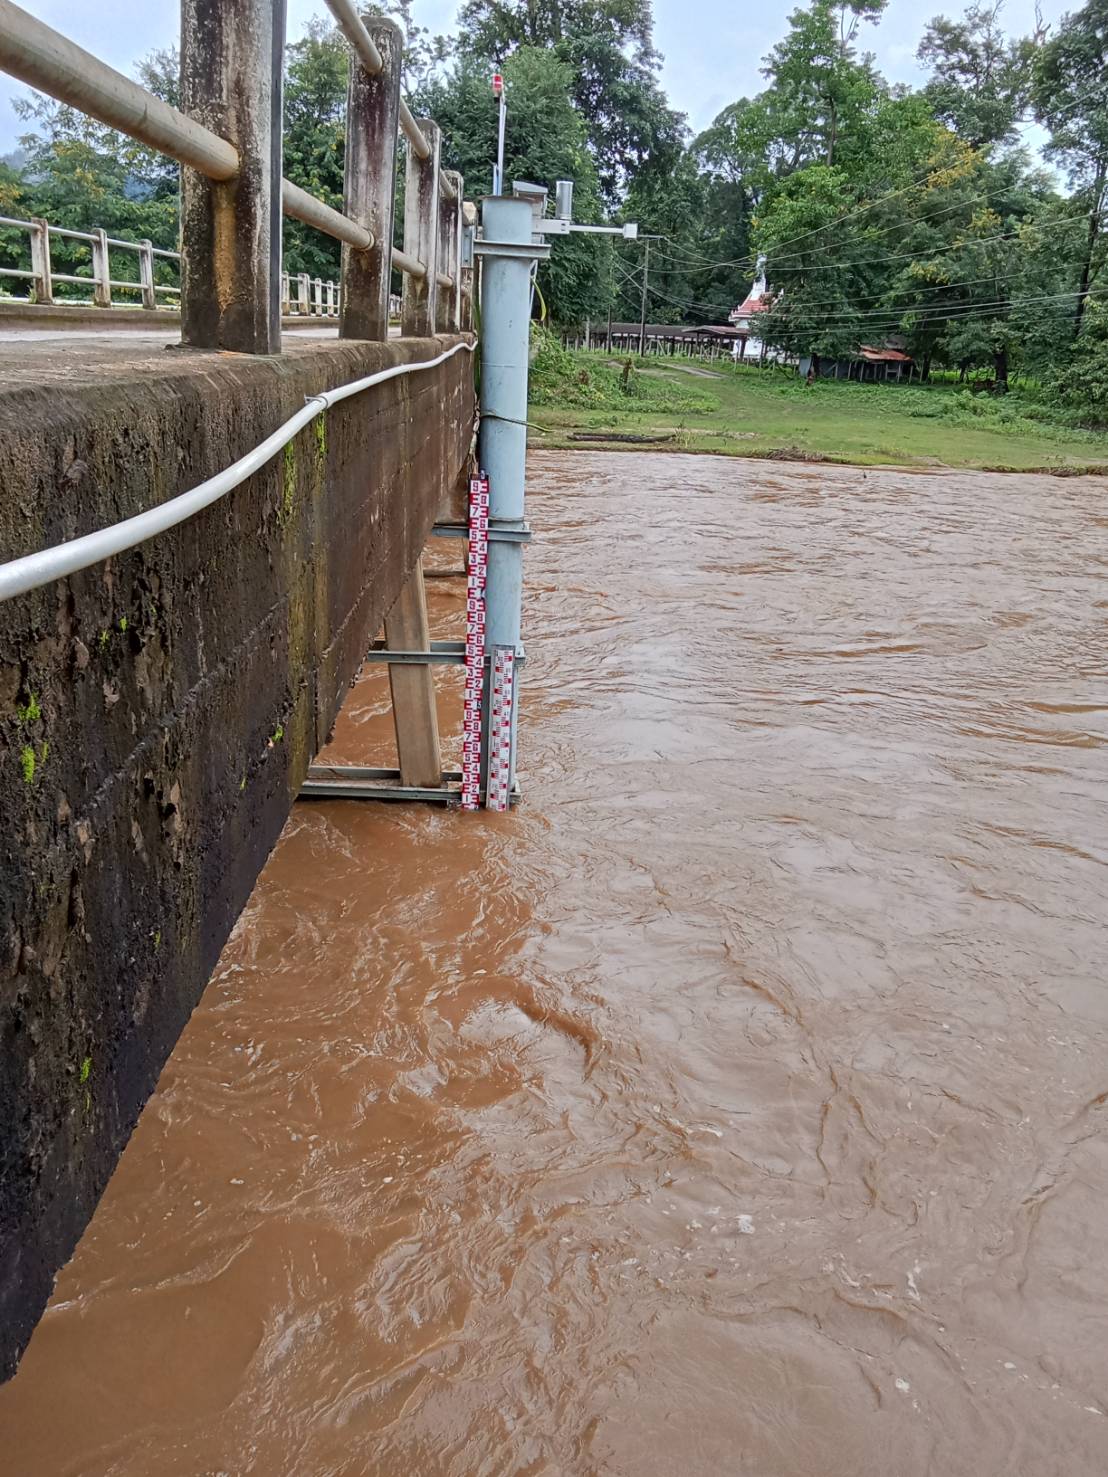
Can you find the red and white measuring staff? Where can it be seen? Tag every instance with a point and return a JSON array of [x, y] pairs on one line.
[[476, 583], [501, 699]]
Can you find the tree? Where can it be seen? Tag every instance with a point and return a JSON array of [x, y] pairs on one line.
[[980, 79], [818, 83], [79, 174], [317, 68], [1080, 378], [608, 47], [546, 140], [1070, 96]]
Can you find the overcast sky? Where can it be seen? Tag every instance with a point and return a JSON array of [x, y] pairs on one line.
[[712, 48]]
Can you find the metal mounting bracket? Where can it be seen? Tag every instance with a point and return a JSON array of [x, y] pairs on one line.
[[530, 251], [441, 652], [503, 532], [358, 782]]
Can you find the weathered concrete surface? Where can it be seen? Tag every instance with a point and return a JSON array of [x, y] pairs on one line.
[[157, 714]]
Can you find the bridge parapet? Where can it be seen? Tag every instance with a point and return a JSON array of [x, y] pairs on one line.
[[158, 711]]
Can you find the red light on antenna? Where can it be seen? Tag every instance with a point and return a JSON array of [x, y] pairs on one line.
[[497, 84]]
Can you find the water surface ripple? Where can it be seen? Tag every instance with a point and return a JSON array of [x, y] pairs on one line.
[[737, 1106]]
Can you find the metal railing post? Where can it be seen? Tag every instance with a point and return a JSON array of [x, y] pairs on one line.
[[146, 274], [421, 233], [101, 270], [231, 69], [369, 187], [450, 215], [40, 260]]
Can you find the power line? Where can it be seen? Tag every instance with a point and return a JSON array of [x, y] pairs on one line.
[[933, 171], [890, 321]]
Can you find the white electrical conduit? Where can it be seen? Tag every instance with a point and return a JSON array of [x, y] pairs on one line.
[[35, 570]]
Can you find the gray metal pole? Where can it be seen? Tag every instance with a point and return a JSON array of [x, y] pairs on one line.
[[645, 288], [498, 188], [508, 254]]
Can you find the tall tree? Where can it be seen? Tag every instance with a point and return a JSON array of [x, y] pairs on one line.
[[613, 78], [1070, 96], [818, 82], [316, 71], [980, 78], [545, 140]]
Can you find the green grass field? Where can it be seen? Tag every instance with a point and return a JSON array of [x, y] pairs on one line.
[[580, 400]]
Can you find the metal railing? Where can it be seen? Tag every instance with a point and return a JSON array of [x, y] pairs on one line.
[[212, 31]]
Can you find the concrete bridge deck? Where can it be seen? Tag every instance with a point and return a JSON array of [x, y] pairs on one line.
[[158, 712]]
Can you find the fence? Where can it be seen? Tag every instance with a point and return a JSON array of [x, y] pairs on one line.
[[313, 296], [227, 138]]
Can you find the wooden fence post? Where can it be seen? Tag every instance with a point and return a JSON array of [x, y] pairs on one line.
[[369, 186], [40, 261], [231, 69], [421, 234]]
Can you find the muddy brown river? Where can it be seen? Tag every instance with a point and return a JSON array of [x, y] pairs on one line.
[[739, 1105]]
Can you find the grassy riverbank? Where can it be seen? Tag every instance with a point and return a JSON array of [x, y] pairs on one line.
[[583, 399]]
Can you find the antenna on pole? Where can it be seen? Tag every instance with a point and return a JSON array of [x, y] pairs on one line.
[[498, 167]]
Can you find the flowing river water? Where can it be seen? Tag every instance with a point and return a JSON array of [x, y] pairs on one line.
[[739, 1105]]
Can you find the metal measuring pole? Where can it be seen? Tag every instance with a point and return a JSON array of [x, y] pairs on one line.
[[509, 254]]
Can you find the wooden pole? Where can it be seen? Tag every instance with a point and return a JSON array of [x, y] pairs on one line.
[[413, 687], [369, 194]]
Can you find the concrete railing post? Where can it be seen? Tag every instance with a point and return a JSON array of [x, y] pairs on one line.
[[421, 234], [450, 250], [286, 300], [231, 61], [101, 270], [317, 297], [303, 294], [40, 261], [146, 274], [369, 188]]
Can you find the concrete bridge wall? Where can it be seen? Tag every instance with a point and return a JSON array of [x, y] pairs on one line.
[[157, 714]]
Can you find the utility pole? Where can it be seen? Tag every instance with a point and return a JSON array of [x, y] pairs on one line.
[[611, 295], [645, 284]]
